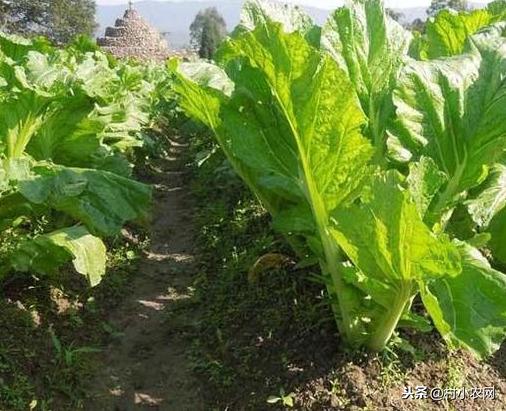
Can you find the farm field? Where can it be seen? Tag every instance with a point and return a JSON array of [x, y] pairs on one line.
[[313, 220]]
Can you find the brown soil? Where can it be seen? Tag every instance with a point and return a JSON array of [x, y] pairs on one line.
[[147, 366]]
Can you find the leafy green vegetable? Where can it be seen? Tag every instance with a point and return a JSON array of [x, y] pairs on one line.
[[470, 309], [371, 47], [386, 239], [101, 200], [447, 33], [46, 252], [491, 200], [293, 18], [382, 164], [313, 155], [69, 119], [450, 110]]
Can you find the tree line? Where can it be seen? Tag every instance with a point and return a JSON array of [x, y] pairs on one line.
[[435, 7]]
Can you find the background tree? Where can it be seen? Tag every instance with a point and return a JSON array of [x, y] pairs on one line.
[[59, 20], [396, 15], [70, 18], [207, 31], [5, 10], [437, 5], [24, 16], [417, 25]]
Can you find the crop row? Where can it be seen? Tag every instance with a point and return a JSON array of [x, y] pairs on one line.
[[379, 153], [69, 120]]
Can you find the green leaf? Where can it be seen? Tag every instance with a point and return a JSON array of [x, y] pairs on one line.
[[258, 12], [469, 309], [67, 136], [386, 238], [316, 148], [424, 182], [451, 110], [371, 47], [207, 75], [14, 46], [45, 75], [497, 243], [101, 200], [21, 117], [417, 322], [491, 199], [45, 253], [448, 32]]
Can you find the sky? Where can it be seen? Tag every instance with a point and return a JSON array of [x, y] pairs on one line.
[[327, 4]]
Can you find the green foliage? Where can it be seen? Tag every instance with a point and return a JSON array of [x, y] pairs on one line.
[[438, 5], [69, 120], [372, 165], [207, 31], [287, 400], [446, 34]]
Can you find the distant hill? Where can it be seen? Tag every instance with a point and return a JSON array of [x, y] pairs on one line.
[[174, 18]]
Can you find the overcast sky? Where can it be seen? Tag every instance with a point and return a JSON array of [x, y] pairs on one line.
[[326, 4]]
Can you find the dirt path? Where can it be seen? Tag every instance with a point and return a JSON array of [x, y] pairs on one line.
[[147, 367]]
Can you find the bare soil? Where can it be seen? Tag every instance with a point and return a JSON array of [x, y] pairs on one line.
[[147, 366]]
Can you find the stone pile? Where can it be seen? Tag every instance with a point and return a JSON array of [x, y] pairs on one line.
[[133, 36]]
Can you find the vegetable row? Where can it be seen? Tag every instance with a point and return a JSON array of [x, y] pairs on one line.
[[379, 153]]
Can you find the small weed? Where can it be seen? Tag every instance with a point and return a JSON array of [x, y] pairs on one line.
[[69, 356], [288, 400], [391, 368]]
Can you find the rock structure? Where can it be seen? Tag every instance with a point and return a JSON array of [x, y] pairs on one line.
[[133, 36]]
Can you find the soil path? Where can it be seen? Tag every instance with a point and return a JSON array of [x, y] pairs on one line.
[[147, 367]]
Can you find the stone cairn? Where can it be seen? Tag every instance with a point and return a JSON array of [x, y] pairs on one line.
[[133, 36]]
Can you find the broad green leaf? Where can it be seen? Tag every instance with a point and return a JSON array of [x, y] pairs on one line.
[[47, 252], [88, 251], [469, 309], [103, 201], [497, 9], [97, 79], [391, 249], [291, 136], [46, 74], [386, 238], [67, 135], [13, 46], [497, 243], [451, 110], [424, 182], [210, 76], [297, 219], [491, 199], [21, 117], [315, 147], [258, 12], [371, 47], [448, 32]]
